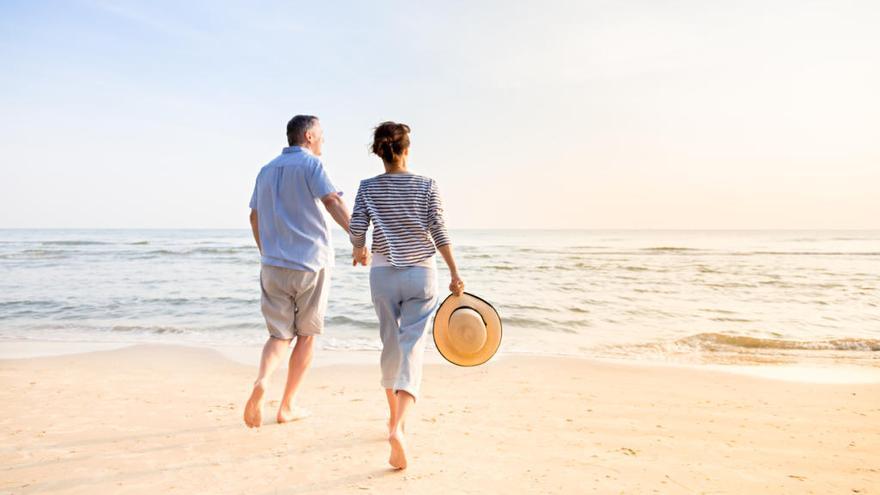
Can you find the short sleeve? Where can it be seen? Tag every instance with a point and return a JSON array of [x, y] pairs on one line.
[[318, 181], [254, 196]]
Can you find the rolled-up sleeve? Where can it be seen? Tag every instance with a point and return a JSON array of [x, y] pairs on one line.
[[360, 219], [436, 225]]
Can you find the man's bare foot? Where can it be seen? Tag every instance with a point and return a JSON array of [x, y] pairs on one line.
[[287, 414], [253, 410], [398, 450]]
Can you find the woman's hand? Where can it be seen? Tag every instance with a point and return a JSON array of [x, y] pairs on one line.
[[360, 255], [456, 285]]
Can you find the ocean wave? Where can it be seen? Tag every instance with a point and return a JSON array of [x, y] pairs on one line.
[[528, 307], [74, 243], [654, 251], [352, 322], [26, 302], [804, 253], [722, 341], [25, 307], [548, 324], [36, 254], [198, 301], [148, 329], [124, 251], [193, 252], [71, 245]]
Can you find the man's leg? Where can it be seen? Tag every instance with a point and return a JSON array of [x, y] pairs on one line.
[[300, 359], [273, 352], [310, 298]]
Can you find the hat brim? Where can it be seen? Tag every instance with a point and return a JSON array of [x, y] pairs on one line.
[[441, 329]]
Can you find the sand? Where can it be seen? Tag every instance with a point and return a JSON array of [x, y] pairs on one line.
[[162, 419]]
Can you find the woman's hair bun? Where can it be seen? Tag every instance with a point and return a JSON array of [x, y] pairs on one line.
[[390, 140]]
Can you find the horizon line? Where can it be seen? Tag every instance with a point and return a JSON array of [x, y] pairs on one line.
[[488, 229]]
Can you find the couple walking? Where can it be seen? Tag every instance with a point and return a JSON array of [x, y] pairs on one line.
[[293, 239]]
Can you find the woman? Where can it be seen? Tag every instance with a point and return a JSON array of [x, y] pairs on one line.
[[408, 229]]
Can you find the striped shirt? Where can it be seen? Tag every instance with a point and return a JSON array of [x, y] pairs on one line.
[[407, 217]]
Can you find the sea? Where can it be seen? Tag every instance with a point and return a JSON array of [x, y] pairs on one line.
[[719, 298]]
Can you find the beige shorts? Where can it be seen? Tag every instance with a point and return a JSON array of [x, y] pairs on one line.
[[294, 301]]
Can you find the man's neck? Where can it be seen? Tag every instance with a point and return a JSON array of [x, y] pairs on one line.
[[304, 147]]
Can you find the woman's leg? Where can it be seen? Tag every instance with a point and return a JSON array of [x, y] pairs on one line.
[[415, 314], [396, 438], [392, 407], [419, 303], [386, 300]]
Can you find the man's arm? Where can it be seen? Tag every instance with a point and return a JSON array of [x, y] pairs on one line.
[[335, 205], [255, 228]]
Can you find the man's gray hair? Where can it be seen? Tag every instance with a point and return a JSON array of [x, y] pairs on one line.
[[297, 128]]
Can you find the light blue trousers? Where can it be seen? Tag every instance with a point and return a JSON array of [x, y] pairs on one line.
[[405, 299]]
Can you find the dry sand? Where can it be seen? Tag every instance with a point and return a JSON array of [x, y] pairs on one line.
[[156, 419]]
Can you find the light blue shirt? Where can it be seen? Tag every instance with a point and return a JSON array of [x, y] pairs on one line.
[[293, 232]]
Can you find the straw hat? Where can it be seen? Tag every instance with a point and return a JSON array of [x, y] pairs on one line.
[[467, 330]]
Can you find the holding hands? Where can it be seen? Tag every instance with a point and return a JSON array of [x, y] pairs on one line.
[[360, 255]]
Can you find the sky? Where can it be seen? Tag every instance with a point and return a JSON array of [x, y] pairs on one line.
[[563, 115]]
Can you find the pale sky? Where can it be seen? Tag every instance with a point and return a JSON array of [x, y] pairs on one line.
[[582, 114]]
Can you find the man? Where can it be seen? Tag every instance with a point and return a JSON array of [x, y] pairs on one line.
[[294, 243]]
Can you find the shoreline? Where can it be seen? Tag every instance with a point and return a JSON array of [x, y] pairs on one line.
[[249, 355], [160, 419]]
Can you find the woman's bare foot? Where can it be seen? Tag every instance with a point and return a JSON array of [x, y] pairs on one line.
[[253, 410], [402, 427], [398, 450], [287, 414]]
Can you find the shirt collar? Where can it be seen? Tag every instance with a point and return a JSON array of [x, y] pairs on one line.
[[296, 149]]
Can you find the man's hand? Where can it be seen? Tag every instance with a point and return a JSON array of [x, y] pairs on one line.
[[456, 285], [360, 255]]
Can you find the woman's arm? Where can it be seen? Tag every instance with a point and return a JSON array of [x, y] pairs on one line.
[[456, 284], [360, 222], [437, 227]]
